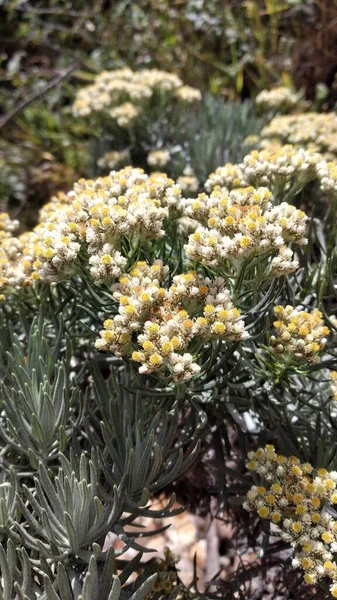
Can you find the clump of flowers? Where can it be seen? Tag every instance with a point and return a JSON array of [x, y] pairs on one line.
[[158, 158], [162, 329], [7, 225], [125, 114], [229, 176], [280, 99], [317, 130], [299, 334], [294, 496], [189, 184], [114, 159], [235, 224], [124, 95], [84, 228], [188, 94], [327, 174], [280, 168]]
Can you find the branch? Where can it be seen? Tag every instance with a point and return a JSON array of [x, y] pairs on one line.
[[22, 105]]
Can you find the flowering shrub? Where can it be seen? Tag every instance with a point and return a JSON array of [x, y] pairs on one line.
[[314, 130], [299, 334], [124, 94], [296, 499], [279, 99], [142, 322]]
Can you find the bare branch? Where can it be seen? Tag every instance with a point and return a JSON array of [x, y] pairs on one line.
[[22, 105]]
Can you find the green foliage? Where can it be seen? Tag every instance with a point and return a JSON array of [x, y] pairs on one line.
[[38, 396], [234, 50], [57, 508], [202, 137], [23, 581]]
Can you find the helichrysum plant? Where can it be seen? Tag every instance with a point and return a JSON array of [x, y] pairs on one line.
[[140, 321]]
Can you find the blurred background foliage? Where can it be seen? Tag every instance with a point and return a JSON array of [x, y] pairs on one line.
[[230, 48]]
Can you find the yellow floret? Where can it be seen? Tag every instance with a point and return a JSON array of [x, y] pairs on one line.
[[251, 465], [245, 241], [176, 342], [328, 565], [167, 347], [306, 563], [275, 517], [219, 328], [148, 346], [297, 527], [130, 309], [124, 337], [108, 323], [152, 328], [309, 578], [316, 517], [49, 253], [106, 259], [108, 335], [209, 309], [145, 297], [327, 537], [155, 360], [263, 512], [196, 236]]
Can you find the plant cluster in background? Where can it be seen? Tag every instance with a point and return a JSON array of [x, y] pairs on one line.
[[51, 51]]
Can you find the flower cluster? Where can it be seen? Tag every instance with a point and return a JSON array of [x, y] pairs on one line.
[[293, 495], [188, 94], [123, 94], [7, 225], [114, 159], [333, 386], [189, 184], [300, 334], [327, 175], [12, 274], [243, 221], [280, 167], [316, 130], [229, 176], [158, 158], [84, 228], [161, 327], [280, 99]]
